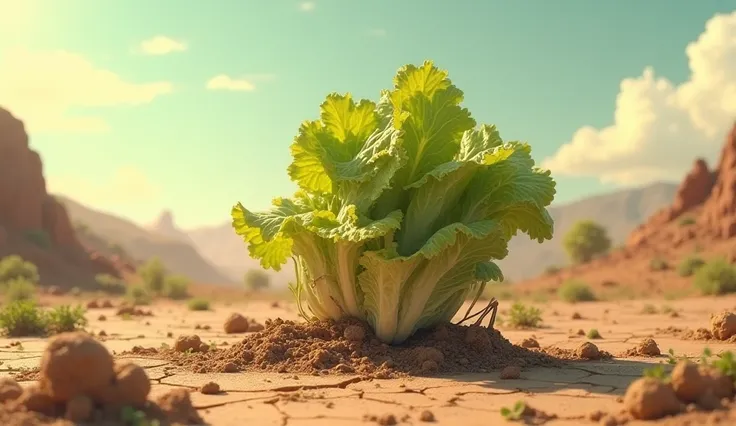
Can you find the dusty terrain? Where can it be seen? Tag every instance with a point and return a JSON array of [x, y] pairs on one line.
[[572, 391]]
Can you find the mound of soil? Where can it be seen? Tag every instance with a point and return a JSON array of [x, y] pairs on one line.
[[79, 382], [349, 347]]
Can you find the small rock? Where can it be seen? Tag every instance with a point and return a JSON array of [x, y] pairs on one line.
[[236, 323], [187, 343], [511, 372], [131, 385], [588, 350], [387, 420], [102, 318], [177, 406], [230, 367], [354, 333], [648, 347], [576, 316], [35, 399], [723, 325], [9, 389], [687, 381], [79, 409], [210, 388], [426, 416], [106, 304], [650, 399], [93, 304], [477, 337]]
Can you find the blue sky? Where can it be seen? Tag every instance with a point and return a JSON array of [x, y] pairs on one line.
[[539, 70]]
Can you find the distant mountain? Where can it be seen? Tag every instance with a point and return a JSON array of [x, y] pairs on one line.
[[620, 212], [179, 255]]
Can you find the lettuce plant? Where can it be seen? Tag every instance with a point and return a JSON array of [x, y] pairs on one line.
[[402, 207]]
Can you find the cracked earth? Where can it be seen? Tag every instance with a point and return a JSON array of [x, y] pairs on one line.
[[571, 392]]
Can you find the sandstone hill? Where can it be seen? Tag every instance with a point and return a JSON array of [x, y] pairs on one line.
[[129, 239], [700, 221], [34, 224]]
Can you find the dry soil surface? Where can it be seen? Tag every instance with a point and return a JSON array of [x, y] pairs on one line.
[[572, 392]]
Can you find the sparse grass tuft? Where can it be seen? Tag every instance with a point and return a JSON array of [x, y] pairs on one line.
[[13, 267], [18, 289], [138, 295], [686, 221], [176, 287], [514, 413], [716, 277], [23, 318], [573, 291], [64, 318], [522, 316], [593, 334], [198, 304], [690, 266]]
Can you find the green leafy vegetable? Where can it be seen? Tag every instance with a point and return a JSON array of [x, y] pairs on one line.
[[402, 207]]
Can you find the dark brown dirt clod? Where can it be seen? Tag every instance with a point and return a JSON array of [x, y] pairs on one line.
[[687, 381], [79, 409], [210, 388], [177, 407], [9, 389], [354, 333], [75, 364], [723, 325], [588, 350], [35, 399], [186, 343], [236, 323], [426, 416], [130, 387], [651, 399], [511, 372], [529, 343]]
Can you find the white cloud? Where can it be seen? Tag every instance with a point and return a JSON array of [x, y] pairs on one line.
[[660, 127], [225, 82], [377, 32], [161, 45], [128, 185], [307, 6], [42, 87]]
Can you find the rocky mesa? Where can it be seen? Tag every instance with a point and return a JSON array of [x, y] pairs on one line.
[[34, 224]]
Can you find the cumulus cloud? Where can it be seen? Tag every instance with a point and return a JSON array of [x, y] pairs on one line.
[[659, 127], [161, 45], [44, 87], [307, 6], [128, 185], [240, 84]]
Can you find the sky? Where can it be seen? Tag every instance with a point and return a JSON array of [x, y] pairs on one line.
[[138, 106]]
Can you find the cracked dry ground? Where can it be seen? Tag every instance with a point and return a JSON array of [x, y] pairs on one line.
[[571, 392]]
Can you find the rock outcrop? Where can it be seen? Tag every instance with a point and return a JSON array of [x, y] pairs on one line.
[[28, 213], [719, 211]]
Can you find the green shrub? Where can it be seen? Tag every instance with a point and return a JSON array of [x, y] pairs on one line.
[[14, 266], [110, 284], [138, 295], [658, 264], [521, 316], [593, 334], [23, 318], [199, 304], [716, 277], [64, 318], [586, 240], [19, 289], [256, 280], [573, 291], [153, 274], [176, 287], [39, 238], [686, 221], [689, 266]]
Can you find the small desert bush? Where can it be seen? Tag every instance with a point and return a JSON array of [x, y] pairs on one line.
[[593, 334], [658, 264], [23, 318], [153, 273], [110, 284], [18, 289], [176, 287], [689, 266], [686, 221], [522, 316], [138, 295], [716, 277], [199, 304], [64, 318], [573, 291], [14, 266]]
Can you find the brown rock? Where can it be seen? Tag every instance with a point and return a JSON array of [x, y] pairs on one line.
[[719, 210], [186, 343], [529, 342], [650, 399], [177, 406], [210, 388], [694, 189], [79, 409], [236, 323], [511, 372], [73, 364], [93, 304], [688, 382], [723, 325], [9, 389], [130, 387], [719, 384], [648, 347], [35, 399], [588, 350]]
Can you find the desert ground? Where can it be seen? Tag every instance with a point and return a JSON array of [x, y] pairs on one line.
[[577, 391]]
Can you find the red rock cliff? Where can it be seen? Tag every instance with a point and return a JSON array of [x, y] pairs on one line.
[[719, 211]]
